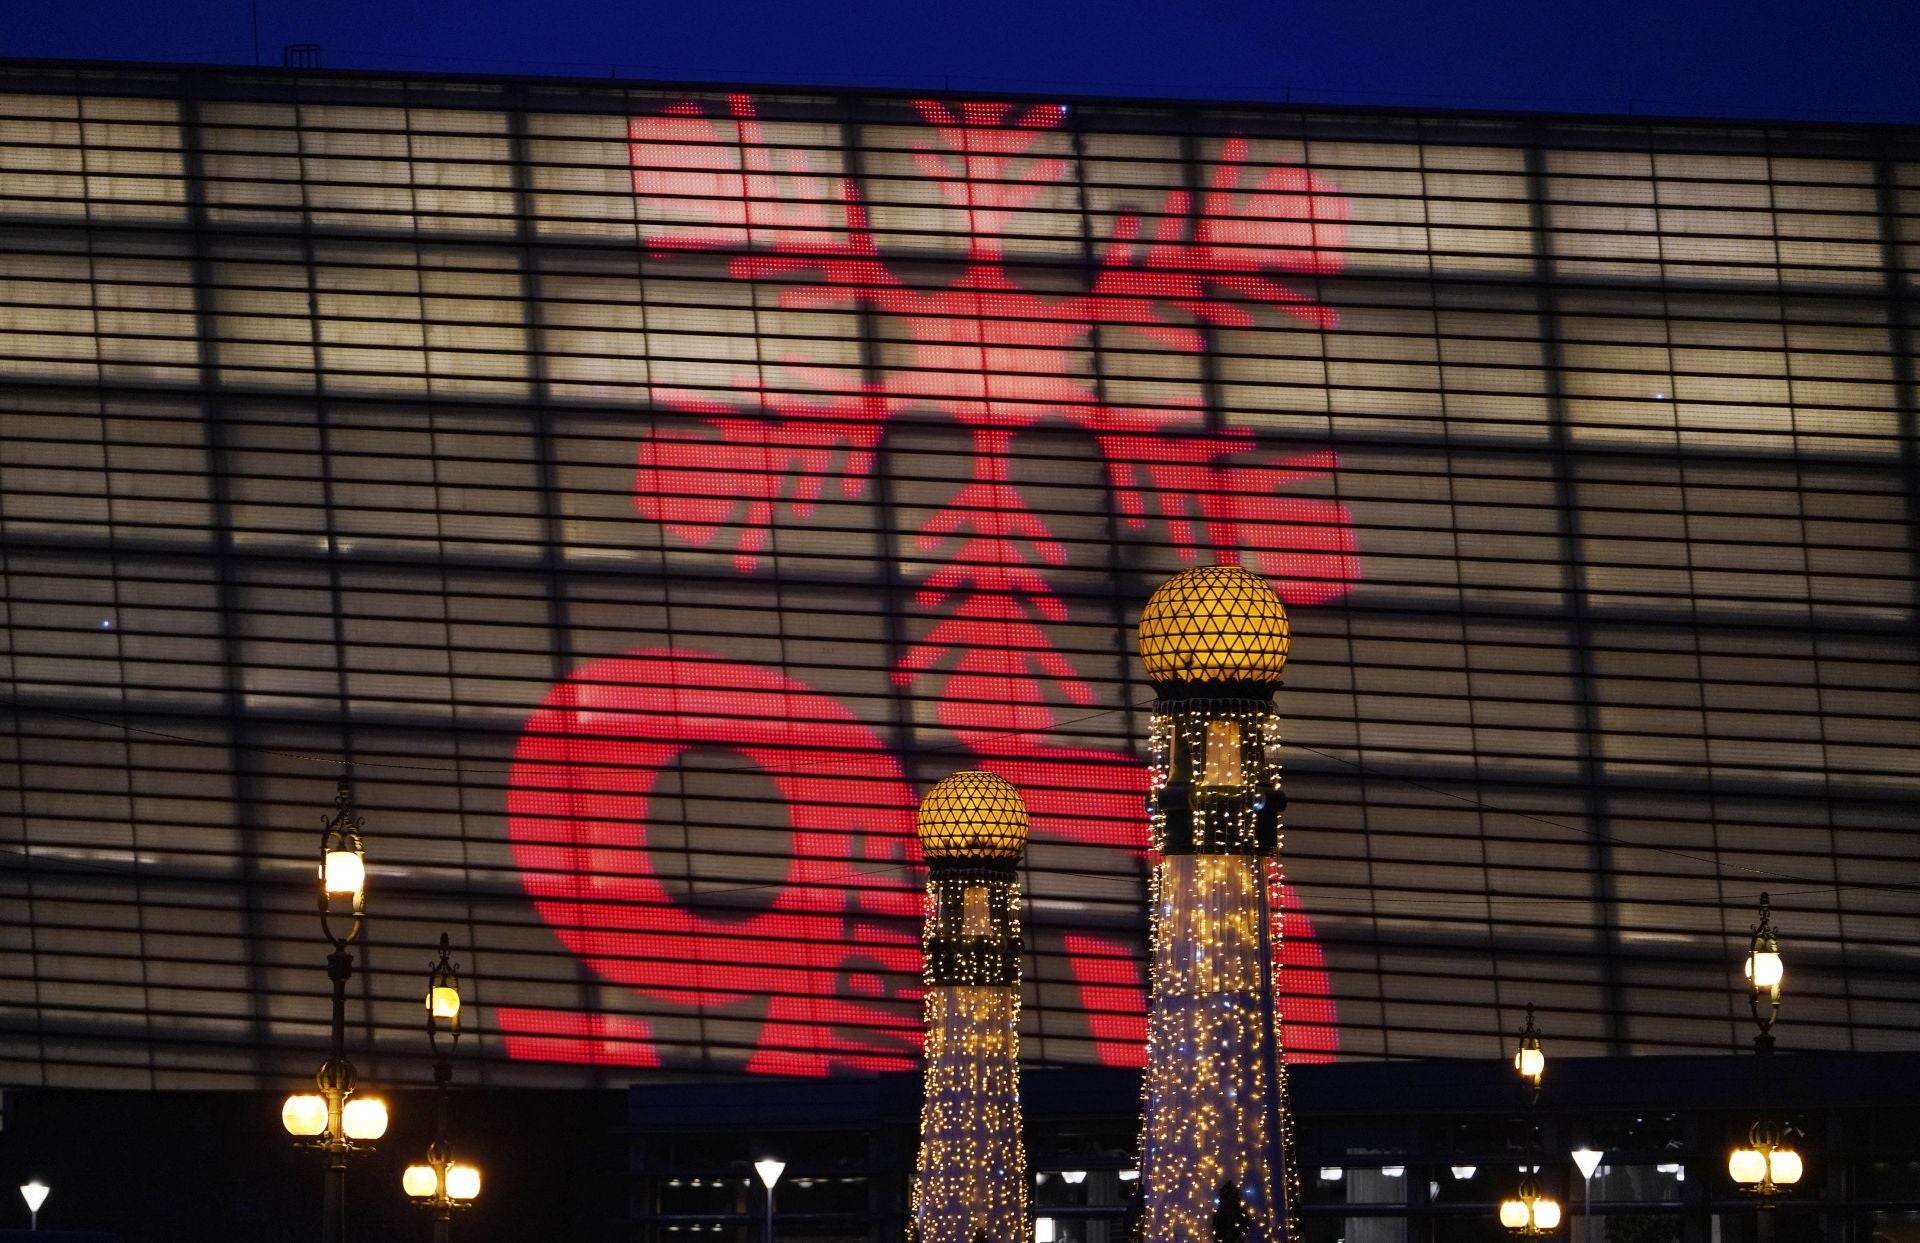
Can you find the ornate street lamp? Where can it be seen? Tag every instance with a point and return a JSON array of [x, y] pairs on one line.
[[1764, 970], [1766, 1163], [1529, 1211], [442, 1184], [1529, 1060], [333, 1119]]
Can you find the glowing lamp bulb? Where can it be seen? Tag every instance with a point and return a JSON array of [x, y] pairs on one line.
[[344, 873], [419, 1181], [1464, 1171], [463, 1181], [1513, 1214], [1073, 1176], [1765, 969], [1747, 1166], [35, 1194], [1531, 1063], [304, 1114], [769, 1171], [1546, 1214], [1784, 1166], [364, 1118], [444, 1002]]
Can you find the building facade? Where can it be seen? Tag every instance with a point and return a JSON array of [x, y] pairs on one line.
[[645, 491]]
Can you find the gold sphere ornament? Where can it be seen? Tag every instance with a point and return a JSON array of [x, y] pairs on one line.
[[972, 817], [1214, 623]]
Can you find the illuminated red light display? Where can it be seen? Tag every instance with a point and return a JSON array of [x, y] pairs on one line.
[[820, 964], [646, 490]]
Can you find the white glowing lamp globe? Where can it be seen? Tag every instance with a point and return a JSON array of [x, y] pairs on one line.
[[1785, 1166], [1747, 1166], [344, 872], [419, 1181], [463, 1181], [364, 1118], [1587, 1159], [35, 1194], [1531, 1063], [444, 1002], [1765, 969], [769, 1171], [304, 1114], [1513, 1214], [1546, 1214]]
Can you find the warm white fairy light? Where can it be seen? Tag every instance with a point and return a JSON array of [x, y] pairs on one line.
[[1193, 809], [1212, 1106], [971, 1172], [1290, 1180]]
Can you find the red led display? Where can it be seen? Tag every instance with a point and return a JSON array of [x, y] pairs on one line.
[[993, 357], [810, 955]]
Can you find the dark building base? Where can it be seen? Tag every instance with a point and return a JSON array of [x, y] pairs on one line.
[[1403, 1152]]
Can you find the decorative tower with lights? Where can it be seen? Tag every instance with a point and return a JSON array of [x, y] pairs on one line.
[[971, 1177], [1214, 640]]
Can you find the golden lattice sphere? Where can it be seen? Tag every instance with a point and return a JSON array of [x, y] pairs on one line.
[[972, 816], [1214, 623]]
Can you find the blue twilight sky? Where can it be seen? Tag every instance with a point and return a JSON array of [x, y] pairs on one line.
[[1843, 59]]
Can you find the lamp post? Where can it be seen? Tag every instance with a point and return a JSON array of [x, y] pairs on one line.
[[1529, 1060], [1767, 1162], [35, 1194], [441, 1184], [1587, 1160], [333, 1120], [1765, 971], [1530, 1212], [769, 1171]]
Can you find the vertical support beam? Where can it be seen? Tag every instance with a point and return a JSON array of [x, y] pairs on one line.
[[225, 560], [1900, 316], [1567, 523], [540, 431]]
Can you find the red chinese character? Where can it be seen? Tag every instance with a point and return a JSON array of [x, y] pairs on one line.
[[993, 357], [823, 960]]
